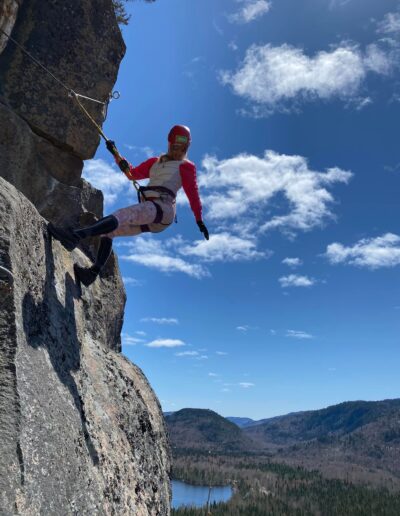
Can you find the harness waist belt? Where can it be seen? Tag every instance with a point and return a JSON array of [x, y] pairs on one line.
[[161, 189]]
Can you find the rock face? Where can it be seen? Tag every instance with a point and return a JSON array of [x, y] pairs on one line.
[[80, 43], [81, 431], [48, 176]]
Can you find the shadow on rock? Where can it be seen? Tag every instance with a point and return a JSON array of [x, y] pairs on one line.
[[51, 325]]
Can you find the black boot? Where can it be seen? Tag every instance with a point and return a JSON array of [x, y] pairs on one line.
[[87, 275], [101, 227], [70, 238], [66, 236]]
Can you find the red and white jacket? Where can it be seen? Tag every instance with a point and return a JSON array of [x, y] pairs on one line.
[[172, 175]]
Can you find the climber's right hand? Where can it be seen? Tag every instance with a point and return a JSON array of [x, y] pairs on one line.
[[111, 147], [123, 166]]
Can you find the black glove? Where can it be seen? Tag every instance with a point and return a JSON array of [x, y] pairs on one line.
[[111, 147], [124, 165], [203, 229]]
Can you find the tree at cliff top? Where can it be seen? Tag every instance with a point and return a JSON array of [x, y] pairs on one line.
[[120, 12]]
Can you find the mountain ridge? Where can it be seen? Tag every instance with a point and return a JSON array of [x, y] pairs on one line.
[[204, 429], [357, 440]]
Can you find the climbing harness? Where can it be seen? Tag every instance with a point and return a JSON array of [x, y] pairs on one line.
[[164, 192], [71, 92]]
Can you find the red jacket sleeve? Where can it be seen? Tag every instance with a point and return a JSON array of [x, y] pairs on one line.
[[142, 171], [189, 184]]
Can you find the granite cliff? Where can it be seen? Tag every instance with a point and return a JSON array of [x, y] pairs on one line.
[[81, 431]]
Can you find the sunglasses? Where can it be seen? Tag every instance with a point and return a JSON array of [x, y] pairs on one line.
[[177, 146]]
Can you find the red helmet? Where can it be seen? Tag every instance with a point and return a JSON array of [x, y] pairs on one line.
[[180, 134]]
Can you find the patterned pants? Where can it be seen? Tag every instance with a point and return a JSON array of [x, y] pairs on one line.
[[131, 218]]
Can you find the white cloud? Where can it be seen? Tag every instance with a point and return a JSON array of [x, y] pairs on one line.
[[172, 255], [294, 280], [246, 385], [241, 194], [337, 3], [372, 253], [167, 264], [223, 247], [245, 186], [165, 343], [243, 328], [160, 320], [156, 255], [147, 151], [233, 46], [213, 374], [392, 168], [377, 60], [217, 28], [140, 333], [298, 334], [187, 354], [251, 10], [106, 178], [128, 340], [361, 102], [131, 281], [292, 262], [270, 77], [390, 23], [221, 353]]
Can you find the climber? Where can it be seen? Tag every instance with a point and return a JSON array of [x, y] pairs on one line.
[[157, 202]]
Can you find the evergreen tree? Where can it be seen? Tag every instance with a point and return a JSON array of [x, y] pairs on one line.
[[120, 11]]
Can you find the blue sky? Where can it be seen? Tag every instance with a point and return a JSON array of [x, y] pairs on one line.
[[294, 302]]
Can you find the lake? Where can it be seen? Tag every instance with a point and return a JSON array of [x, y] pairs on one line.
[[197, 496]]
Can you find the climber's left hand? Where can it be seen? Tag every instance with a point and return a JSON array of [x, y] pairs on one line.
[[203, 229]]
